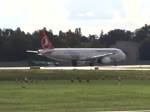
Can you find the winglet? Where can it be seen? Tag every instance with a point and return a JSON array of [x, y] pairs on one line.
[[45, 42]]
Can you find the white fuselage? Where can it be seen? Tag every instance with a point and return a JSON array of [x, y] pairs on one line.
[[82, 54]]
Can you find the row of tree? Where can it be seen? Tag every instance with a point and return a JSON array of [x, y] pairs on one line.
[[14, 43]]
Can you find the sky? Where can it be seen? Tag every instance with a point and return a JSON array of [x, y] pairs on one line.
[[91, 16]]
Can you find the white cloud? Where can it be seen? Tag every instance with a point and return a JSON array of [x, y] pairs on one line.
[[132, 19], [44, 14], [132, 10], [86, 14], [133, 13], [11, 8], [92, 17]]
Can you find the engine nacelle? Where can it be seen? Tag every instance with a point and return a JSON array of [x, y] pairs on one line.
[[105, 60]]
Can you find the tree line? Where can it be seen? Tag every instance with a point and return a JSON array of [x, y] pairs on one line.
[[14, 43]]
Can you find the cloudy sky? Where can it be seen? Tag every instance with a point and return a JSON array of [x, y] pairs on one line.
[[91, 16]]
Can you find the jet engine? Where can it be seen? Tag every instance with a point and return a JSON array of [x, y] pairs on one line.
[[104, 60]]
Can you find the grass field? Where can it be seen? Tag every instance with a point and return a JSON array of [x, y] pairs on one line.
[[52, 94]]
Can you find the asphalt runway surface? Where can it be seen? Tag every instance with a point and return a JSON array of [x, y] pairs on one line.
[[123, 67]]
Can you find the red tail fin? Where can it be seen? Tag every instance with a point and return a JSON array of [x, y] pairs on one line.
[[46, 44]]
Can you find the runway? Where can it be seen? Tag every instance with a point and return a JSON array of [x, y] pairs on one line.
[[123, 67]]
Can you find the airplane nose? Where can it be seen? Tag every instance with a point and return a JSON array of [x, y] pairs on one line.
[[123, 56]]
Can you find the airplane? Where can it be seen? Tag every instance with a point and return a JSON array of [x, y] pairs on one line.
[[76, 55]]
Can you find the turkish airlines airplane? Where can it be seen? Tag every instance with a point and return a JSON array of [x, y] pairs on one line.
[[75, 55]]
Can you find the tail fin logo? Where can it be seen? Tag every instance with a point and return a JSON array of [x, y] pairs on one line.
[[46, 44]]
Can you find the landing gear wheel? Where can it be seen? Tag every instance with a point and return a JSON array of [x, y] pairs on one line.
[[115, 63], [74, 63], [91, 64]]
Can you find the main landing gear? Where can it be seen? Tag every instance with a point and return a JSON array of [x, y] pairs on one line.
[[115, 63], [74, 63], [91, 64]]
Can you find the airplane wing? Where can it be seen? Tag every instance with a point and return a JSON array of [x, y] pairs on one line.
[[100, 56]]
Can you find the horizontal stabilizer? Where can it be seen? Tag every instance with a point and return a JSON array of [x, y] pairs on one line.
[[32, 51]]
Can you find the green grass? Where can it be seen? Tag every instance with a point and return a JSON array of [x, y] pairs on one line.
[[72, 74], [52, 94], [64, 96]]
